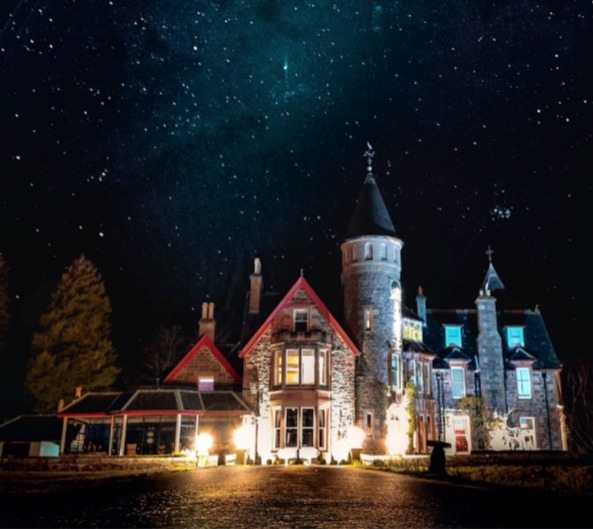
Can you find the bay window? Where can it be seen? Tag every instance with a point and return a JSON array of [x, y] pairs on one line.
[[300, 366]]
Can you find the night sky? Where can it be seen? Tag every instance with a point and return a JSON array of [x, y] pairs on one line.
[[173, 142]]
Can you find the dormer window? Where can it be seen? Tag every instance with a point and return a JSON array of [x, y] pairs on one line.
[[515, 337], [301, 320], [452, 335]]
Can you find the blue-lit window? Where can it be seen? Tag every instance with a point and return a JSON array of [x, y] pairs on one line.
[[523, 383], [452, 335], [458, 382], [395, 370], [515, 336]]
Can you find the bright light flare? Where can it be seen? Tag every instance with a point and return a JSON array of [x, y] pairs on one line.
[[203, 443]]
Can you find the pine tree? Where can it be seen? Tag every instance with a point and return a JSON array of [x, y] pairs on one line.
[[4, 303], [73, 348]]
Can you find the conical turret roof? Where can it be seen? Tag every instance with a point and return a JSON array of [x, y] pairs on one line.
[[370, 214]]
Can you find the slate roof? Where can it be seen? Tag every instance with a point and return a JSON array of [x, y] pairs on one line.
[[538, 344], [370, 213]]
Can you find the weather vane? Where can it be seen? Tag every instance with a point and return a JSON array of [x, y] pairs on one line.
[[369, 153]]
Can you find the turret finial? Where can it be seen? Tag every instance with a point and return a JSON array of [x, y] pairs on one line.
[[489, 253], [369, 153]]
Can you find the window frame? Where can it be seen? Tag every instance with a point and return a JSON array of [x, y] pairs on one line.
[[515, 336], [453, 334], [300, 323], [291, 370], [524, 391], [454, 383]]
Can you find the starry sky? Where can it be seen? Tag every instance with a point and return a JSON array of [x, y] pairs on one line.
[[171, 142]]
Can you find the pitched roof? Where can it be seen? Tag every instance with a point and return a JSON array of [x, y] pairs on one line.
[[537, 340], [203, 342], [160, 401], [300, 284], [31, 428], [492, 281], [370, 215]]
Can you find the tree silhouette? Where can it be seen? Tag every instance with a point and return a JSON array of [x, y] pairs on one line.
[[578, 377], [73, 349], [161, 352]]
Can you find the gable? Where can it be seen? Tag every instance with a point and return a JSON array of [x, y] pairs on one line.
[[203, 359], [301, 295]]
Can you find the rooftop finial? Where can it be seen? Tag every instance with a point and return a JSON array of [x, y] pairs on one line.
[[489, 253], [369, 153]]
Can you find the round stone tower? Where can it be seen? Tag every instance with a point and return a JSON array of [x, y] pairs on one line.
[[371, 270]]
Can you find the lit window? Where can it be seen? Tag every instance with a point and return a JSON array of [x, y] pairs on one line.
[[412, 372], [458, 382], [300, 366], [368, 319], [301, 320], [452, 335], [523, 383], [515, 336], [206, 384], [419, 378], [322, 368], [278, 372], [527, 433], [395, 374], [293, 370], [308, 366]]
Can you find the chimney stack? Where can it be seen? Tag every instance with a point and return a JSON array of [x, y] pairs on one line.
[[257, 283], [207, 325]]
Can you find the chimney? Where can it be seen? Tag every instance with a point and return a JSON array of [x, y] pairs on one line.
[[78, 392], [421, 305], [257, 283], [60, 405], [207, 325]]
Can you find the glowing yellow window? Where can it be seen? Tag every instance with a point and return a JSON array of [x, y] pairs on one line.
[[292, 366]]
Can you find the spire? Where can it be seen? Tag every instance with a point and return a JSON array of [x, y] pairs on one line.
[[370, 214], [491, 281]]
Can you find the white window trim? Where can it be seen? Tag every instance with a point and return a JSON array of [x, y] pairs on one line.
[[463, 392], [523, 381]]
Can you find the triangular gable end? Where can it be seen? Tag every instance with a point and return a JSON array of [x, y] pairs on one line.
[[303, 284], [186, 362]]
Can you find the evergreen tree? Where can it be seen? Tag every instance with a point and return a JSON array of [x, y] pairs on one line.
[[4, 303], [73, 348]]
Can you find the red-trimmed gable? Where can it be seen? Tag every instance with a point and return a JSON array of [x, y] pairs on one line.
[[205, 358], [301, 284]]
